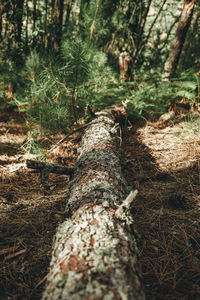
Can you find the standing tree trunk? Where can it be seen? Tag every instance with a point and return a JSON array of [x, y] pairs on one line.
[[34, 22], [45, 36], [95, 255], [18, 19], [186, 51], [58, 25], [1, 18], [125, 66], [178, 42], [26, 30], [68, 12], [139, 45]]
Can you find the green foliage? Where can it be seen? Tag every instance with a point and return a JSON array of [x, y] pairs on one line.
[[148, 98], [188, 86], [193, 123], [22, 79], [33, 65], [33, 146], [102, 80], [76, 62], [96, 20], [10, 75], [153, 96], [60, 87], [54, 90], [4, 76]]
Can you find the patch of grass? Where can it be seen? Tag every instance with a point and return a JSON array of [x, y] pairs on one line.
[[193, 123]]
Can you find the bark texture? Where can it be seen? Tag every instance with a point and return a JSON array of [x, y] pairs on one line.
[[95, 255], [178, 42], [59, 23]]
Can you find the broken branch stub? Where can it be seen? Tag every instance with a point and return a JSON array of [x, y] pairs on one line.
[[95, 255], [48, 167]]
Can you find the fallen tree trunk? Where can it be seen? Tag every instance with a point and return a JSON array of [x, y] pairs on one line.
[[95, 254]]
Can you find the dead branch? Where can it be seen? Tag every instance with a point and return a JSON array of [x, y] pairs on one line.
[[48, 167]]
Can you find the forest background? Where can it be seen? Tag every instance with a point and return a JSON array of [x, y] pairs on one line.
[[57, 57]]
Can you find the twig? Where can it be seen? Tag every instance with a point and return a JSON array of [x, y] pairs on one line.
[[72, 132], [48, 167], [126, 204]]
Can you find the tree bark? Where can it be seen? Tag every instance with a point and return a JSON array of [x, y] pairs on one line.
[[34, 22], [19, 17], [68, 12], [188, 46], [139, 44], [125, 62], [178, 42], [58, 25], [95, 254], [26, 28], [1, 18]]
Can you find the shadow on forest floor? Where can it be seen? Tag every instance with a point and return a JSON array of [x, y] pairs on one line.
[[163, 164]]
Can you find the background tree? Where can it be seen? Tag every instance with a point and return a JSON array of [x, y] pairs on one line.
[[58, 24], [145, 29], [177, 45], [189, 56]]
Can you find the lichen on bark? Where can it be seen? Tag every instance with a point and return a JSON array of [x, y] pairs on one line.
[[95, 254]]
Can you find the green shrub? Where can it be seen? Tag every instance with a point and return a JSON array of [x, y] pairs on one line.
[[156, 96], [59, 88]]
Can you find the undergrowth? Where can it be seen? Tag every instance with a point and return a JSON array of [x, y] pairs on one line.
[[152, 97], [54, 91], [60, 88]]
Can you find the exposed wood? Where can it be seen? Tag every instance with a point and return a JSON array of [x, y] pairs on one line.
[[48, 167], [178, 42], [125, 66], [95, 254]]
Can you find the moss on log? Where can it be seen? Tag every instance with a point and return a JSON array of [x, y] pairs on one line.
[[95, 255]]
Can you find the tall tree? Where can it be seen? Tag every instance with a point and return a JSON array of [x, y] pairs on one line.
[[58, 25], [140, 41], [178, 42], [26, 28], [1, 18], [34, 22], [68, 12], [191, 50], [18, 18]]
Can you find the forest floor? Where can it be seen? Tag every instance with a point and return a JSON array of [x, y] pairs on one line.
[[162, 162]]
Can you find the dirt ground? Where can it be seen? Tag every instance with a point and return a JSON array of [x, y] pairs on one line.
[[162, 162]]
